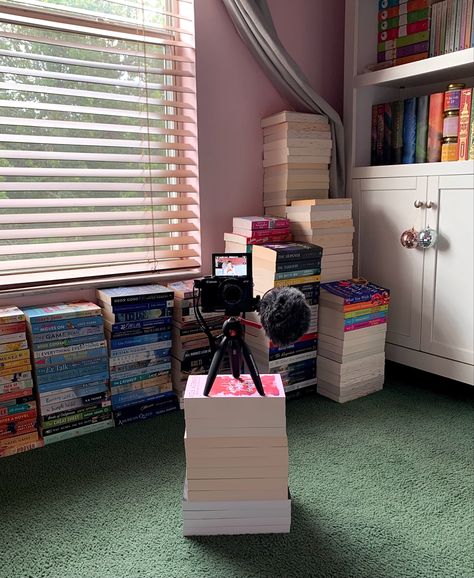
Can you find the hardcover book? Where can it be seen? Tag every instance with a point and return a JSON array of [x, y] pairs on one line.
[[435, 127], [135, 294], [409, 131], [421, 128]]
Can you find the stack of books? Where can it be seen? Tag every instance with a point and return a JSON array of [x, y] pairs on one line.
[[352, 330], [327, 223], [248, 231], [191, 352], [282, 265], [236, 458], [403, 31], [138, 331], [18, 412], [452, 26], [296, 157], [71, 371]]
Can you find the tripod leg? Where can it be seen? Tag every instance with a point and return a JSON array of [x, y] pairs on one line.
[[215, 364], [252, 367], [235, 357]]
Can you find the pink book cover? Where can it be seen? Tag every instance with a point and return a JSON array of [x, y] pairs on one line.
[[354, 327], [229, 387]]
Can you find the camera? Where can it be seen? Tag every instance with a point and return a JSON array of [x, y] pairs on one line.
[[230, 287]]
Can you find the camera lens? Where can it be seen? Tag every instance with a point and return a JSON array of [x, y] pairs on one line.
[[231, 293]]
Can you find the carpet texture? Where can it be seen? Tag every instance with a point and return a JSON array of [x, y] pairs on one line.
[[382, 487]]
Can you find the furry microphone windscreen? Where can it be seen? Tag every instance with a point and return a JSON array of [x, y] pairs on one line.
[[285, 315]]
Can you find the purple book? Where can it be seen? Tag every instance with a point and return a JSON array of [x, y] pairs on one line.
[[353, 292]]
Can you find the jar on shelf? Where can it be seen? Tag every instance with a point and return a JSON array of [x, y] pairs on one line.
[[452, 96], [449, 149], [451, 123]]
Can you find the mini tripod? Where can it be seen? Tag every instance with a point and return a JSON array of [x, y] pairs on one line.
[[236, 346]]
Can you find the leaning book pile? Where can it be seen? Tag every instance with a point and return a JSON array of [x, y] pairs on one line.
[[18, 413], [352, 330], [71, 371], [248, 231], [327, 223], [283, 265], [138, 331], [191, 352], [236, 458], [296, 156]]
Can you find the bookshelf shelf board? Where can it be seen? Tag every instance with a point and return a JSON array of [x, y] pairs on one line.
[[446, 67], [414, 170]]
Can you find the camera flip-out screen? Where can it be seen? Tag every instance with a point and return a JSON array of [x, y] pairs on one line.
[[232, 265]]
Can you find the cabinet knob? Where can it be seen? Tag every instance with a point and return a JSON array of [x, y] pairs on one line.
[[418, 204], [430, 205]]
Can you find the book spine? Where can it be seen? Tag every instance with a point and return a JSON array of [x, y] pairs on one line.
[[13, 318], [9, 356], [468, 42], [76, 417], [13, 346], [96, 426], [160, 308], [457, 25], [138, 367], [296, 274], [464, 124], [20, 447], [383, 4], [355, 326], [387, 133], [403, 41], [297, 281], [118, 300], [118, 343], [435, 17], [402, 8], [140, 325], [62, 316], [12, 337], [135, 332], [156, 349], [71, 360], [471, 132], [71, 349], [74, 393], [463, 24], [69, 326], [402, 31], [147, 413], [68, 407], [14, 394], [373, 137], [277, 365], [72, 335], [409, 130], [13, 410], [435, 127], [364, 318], [72, 377], [64, 343], [12, 380], [12, 328], [145, 315], [17, 417], [151, 393], [397, 132], [76, 425], [422, 103], [156, 381], [402, 19], [380, 134]]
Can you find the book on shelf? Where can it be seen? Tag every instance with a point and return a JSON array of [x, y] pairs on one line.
[[133, 295], [435, 127], [464, 125], [422, 107]]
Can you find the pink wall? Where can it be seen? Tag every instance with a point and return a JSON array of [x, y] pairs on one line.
[[234, 94]]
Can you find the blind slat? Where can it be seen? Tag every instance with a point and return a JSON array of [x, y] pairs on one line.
[[86, 186], [96, 216], [92, 202], [99, 157]]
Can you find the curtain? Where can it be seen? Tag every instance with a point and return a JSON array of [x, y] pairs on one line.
[[254, 24]]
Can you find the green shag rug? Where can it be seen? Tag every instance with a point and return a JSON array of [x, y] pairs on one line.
[[382, 487]]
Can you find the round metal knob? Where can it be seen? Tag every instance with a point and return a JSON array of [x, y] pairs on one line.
[[418, 204], [430, 205]]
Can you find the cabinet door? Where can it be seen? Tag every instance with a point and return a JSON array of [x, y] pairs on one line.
[[448, 296], [385, 208]]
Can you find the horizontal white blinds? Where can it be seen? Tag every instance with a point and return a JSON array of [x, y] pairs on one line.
[[98, 164]]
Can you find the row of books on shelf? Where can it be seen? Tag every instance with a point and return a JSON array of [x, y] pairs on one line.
[[413, 30], [423, 129]]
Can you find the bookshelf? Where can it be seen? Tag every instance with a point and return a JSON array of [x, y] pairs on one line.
[[426, 328]]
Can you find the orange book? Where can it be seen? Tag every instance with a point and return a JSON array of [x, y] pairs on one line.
[[464, 124], [435, 127]]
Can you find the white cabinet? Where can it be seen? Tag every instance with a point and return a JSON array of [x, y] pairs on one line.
[[431, 314]]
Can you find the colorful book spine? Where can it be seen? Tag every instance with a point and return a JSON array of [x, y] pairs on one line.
[[72, 378], [402, 8], [464, 123], [143, 339], [403, 31], [403, 41], [409, 130], [68, 326], [387, 133], [435, 127], [68, 335], [145, 411], [373, 137], [396, 145], [403, 51], [471, 132], [422, 106], [145, 315], [403, 19], [468, 41], [380, 134]]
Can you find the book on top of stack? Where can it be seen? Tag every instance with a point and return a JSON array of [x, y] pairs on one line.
[[138, 330], [236, 457], [18, 409], [327, 223], [296, 157], [191, 352], [352, 331], [248, 231], [292, 264], [70, 365]]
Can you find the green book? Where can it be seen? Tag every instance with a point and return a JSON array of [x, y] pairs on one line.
[[422, 104]]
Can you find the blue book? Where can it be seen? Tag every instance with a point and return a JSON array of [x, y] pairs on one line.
[[82, 365], [74, 381], [383, 4], [165, 307], [61, 311], [364, 318], [75, 357], [43, 345], [144, 331], [81, 373], [66, 324], [349, 292], [144, 376], [117, 343], [144, 411], [422, 107], [135, 294], [409, 130], [140, 325], [146, 314], [138, 396], [75, 392]]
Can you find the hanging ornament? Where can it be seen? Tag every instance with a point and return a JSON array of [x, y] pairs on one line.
[[409, 239], [427, 237]]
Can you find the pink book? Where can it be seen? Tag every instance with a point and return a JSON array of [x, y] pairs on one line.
[[256, 223], [376, 321]]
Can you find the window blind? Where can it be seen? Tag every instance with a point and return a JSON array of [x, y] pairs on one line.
[[98, 167]]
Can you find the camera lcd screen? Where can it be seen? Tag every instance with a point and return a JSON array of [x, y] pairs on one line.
[[231, 265]]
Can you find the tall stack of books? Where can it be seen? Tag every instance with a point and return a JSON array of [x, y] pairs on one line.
[[403, 31], [138, 330], [327, 223], [248, 231], [18, 412], [296, 156], [282, 265], [352, 330], [236, 458], [191, 353], [452, 26], [71, 371]]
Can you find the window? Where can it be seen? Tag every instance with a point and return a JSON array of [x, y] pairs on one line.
[[98, 168]]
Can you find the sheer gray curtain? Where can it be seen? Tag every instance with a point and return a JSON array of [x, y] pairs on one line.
[[254, 24]]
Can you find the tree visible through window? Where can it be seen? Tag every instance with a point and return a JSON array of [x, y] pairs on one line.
[[98, 171]]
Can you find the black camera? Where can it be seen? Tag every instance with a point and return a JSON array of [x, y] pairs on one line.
[[230, 287]]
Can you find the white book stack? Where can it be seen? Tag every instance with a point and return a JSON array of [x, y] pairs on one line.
[[327, 223], [352, 330], [296, 157], [236, 457]]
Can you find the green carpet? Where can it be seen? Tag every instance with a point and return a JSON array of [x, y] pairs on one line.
[[382, 488]]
